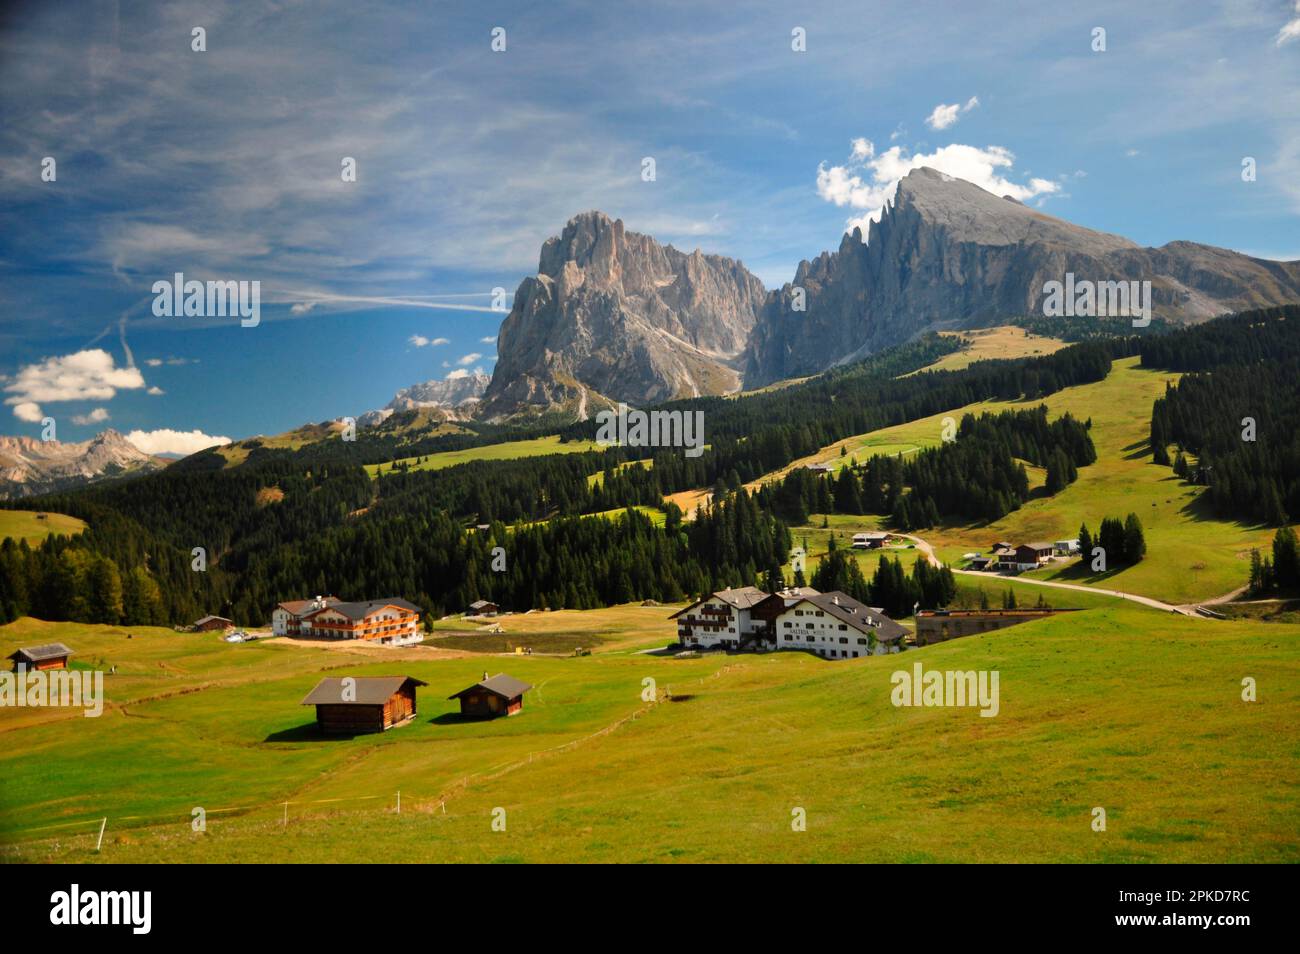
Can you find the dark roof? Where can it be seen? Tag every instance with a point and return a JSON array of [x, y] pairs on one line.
[[478, 603], [208, 619], [741, 598], [865, 619], [371, 690], [1038, 545], [299, 607], [44, 651], [507, 687], [362, 610]]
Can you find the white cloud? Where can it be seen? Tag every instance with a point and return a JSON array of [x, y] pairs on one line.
[[867, 181], [97, 416], [420, 341], [153, 362], [944, 116], [490, 339], [167, 441], [84, 376], [468, 358], [27, 411], [1291, 29], [457, 374], [155, 391], [302, 307]]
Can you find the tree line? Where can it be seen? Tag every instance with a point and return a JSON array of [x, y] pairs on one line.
[[1234, 417]]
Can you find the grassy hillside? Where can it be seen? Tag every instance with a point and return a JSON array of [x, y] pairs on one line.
[[25, 525], [1002, 343], [510, 450], [1135, 712], [1191, 556]]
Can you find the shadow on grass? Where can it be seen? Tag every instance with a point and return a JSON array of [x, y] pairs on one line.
[[1139, 450], [307, 732], [456, 718]]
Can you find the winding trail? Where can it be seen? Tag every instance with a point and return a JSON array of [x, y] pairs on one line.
[[1188, 609]]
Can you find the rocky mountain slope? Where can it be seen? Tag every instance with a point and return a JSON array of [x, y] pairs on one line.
[[29, 466], [612, 315], [457, 396], [948, 254]]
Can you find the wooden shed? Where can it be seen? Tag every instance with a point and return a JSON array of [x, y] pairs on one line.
[[357, 704], [482, 608], [47, 656], [208, 623], [498, 696]]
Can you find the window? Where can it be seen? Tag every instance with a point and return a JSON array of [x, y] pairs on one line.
[[820, 613], [861, 641], [844, 639], [788, 625], [844, 627]]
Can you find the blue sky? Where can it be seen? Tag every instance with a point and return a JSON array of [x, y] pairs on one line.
[[225, 164]]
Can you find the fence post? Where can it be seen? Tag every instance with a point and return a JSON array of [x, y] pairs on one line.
[[102, 826]]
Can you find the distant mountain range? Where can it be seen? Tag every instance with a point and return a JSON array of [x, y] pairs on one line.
[[613, 315], [456, 396], [29, 466]]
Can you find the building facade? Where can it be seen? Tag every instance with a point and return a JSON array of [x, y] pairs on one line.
[[389, 621]]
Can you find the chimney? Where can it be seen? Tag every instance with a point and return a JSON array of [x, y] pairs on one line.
[[485, 675], [835, 600]]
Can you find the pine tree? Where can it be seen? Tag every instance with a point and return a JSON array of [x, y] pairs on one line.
[[1135, 545], [1085, 543], [1286, 560]]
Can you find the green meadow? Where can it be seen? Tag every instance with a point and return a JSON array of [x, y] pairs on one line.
[[27, 525], [1135, 712], [1191, 555], [510, 450]]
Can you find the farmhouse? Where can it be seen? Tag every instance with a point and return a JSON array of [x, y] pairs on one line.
[[1066, 548], [392, 622], [287, 618], [832, 625], [482, 608], [209, 623], [45, 656], [489, 698], [356, 704], [935, 626], [871, 540], [835, 626], [1030, 556], [720, 619], [820, 468]]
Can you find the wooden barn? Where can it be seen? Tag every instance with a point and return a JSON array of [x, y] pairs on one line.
[[482, 608], [209, 623], [47, 656], [498, 696], [365, 704]]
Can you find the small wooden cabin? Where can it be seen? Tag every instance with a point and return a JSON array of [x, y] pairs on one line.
[[482, 608], [209, 623], [354, 705], [498, 696], [47, 656]]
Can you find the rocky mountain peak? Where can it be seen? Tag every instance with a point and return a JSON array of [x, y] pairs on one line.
[[948, 254], [613, 315]]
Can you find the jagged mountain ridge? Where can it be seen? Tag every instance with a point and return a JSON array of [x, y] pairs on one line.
[[612, 315], [948, 254], [456, 396], [29, 466]]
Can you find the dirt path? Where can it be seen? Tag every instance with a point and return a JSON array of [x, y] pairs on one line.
[[1187, 610]]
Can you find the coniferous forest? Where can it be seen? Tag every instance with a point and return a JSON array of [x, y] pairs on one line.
[[417, 533], [1236, 412]]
